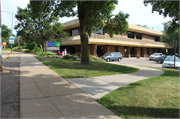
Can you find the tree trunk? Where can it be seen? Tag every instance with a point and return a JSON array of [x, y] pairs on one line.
[[41, 48], [84, 48]]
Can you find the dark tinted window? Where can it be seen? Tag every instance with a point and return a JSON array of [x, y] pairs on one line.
[[74, 32], [138, 36], [130, 34]]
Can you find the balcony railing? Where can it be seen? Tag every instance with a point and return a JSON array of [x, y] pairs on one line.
[[98, 38]]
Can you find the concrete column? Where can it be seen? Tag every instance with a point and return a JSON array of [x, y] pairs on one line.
[[144, 52], [128, 51], [137, 51], [92, 49], [105, 49], [150, 51], [111, 48], [121, 50], [77, 48], [134, 35]]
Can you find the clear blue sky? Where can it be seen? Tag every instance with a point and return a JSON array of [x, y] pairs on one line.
[[139, 14]]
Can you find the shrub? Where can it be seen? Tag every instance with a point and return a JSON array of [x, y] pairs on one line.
[[59, 53], [68, 56], [78, 54], [16, 48], [94, 58]]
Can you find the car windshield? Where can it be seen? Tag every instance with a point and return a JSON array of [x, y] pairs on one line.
[[155, 54], [172, 59], [106, 54]]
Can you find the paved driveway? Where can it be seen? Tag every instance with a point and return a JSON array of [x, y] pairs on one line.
[[133, 62], [99, 86]]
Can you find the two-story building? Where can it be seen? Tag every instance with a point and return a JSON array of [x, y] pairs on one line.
[[137, 41]]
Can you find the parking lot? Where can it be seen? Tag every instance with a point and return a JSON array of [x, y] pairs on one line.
[[135, 61]]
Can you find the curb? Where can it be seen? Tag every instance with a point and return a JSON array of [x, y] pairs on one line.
[[7, 56]]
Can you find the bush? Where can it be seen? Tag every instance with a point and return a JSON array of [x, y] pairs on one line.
[[94, 58], [68, 56], [15, 48], [47, 53], [78, 54]]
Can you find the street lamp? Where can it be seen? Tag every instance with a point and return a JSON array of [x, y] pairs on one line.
[[12, 24]]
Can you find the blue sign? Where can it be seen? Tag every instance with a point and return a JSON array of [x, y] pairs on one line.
[[52, 44], [11, 40]]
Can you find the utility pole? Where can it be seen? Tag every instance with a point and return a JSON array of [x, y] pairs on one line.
[[0, 39], [174, 45]]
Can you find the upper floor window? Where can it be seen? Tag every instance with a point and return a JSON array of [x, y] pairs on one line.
[[157, 38], [138, 36], [98, 31], [130, 34], [74, 32]]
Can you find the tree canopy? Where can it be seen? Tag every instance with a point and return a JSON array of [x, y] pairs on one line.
[[167, 8], [6, 33], [38, 30], [92, 15], [142, 25]]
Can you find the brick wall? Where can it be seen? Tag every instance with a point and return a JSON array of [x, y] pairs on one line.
[[148, 37]]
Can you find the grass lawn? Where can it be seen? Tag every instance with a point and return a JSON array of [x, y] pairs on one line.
[[155, 97], [7, 49], [73, 69]]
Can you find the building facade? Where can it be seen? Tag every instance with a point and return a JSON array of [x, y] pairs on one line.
[[137, 41]]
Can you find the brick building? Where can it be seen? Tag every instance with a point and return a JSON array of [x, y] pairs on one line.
[[137, 41]]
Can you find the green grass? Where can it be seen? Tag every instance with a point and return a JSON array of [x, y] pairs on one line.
[[155, 97], [7, 49], [73, 69]]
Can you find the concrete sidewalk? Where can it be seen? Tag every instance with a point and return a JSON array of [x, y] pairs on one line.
[[45, 94], [99, 86]]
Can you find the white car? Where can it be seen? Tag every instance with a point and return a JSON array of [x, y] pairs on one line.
[[155, 55], [169, 62]]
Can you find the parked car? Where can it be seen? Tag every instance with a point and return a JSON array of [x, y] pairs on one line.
[[160, 60], [169, 62], [111, 56], [155, 55]]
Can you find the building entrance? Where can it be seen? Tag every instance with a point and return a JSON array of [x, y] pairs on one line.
[[100, 51]]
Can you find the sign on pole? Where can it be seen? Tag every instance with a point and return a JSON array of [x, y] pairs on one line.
[[11, 40], [53, 45], [4, 43]]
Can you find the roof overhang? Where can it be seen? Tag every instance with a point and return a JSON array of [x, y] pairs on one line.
[[134, 28]]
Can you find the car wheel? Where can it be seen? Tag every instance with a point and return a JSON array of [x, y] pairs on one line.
[[108, 60], [150, 59], [119, 59], [159, 61]]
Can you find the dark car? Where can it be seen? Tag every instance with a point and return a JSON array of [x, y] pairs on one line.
[[160, 60], [111, 56]]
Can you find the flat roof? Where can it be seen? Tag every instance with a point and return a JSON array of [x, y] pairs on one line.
[[75, 23]]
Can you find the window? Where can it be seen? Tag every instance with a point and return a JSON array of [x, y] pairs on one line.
[[138, 36], [157, 38], [74, 32], [130, 34], [98, 31]]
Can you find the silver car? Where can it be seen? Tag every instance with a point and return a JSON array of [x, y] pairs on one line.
[[169, 62], [155, 55]]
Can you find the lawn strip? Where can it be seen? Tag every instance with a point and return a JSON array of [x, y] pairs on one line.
[[155, 97], [73, 69]]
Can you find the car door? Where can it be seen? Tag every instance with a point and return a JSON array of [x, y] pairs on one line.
[[112, 56]]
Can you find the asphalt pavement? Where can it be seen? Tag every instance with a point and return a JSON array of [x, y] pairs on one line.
[[10, 87]]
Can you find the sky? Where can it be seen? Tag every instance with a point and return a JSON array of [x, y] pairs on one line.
[[139, 14]]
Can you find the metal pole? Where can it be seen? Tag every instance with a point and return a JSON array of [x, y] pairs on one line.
[[0, 40]]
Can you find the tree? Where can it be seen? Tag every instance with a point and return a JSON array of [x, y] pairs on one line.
[[6, 33], [92, 15], [167, 8], [38, 30], [171, 36], [142, 25]]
